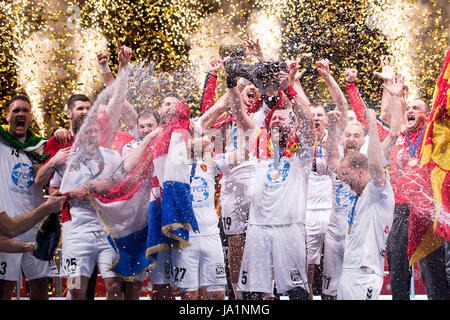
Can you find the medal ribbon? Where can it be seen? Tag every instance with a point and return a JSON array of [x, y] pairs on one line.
[[413, 149], [351, 215], [83, 160]]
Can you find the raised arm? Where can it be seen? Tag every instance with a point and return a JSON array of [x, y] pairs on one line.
[[209, 89], [395, 89], [103, 60], [357, 103], [376, 170], [208, 118], [124, 55], [297, 86], [332, 155], [300, 105], [129, 114], [387, 74], [323, 67]]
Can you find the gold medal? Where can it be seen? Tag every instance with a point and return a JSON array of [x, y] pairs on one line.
[[413, 162], [275, 174]]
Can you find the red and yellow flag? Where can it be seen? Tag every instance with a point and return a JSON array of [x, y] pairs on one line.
[[429, 234]]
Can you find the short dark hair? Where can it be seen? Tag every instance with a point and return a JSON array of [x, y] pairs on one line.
[[18, 97], [74, 98], [147, 113], [357, 160]]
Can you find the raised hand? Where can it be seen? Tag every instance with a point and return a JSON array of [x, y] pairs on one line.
[[387, 69], [370, 115], [397, 86], [124, 54], [254, 49], [350, 75], [293, 71], [103, 58], [215, 65], [300, 74], [334, 117], [323, 67]]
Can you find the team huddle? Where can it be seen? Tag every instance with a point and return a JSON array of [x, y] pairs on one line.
[[284, 180]]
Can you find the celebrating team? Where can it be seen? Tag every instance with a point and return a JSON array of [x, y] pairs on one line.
[[297, 183]]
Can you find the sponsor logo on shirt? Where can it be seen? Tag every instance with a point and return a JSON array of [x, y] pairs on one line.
[[199, 192], [283, 170], [22, 175], [344, 198]]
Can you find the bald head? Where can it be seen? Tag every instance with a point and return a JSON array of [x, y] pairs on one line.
[[352, 138]]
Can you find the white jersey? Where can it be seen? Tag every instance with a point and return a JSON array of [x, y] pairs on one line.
[[84, 216], [238, 180], [202, 196], [343, 199], [129, 147], [370, 225], [282, 200], [19, 193], [320, 188]]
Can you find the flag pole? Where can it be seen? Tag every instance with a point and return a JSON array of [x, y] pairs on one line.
[[413, 293]]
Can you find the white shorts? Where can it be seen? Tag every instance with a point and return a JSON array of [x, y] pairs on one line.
[[202, 264], [359, 284], [316, 228], [333, 257], [278, 251], [234, 208], [82, 251], [160, 273], [11, 265]]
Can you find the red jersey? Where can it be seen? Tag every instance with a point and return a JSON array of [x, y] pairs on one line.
[[359, 106], [52, 147], [409, 181]]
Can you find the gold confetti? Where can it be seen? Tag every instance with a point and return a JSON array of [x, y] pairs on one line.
[[48, 48]]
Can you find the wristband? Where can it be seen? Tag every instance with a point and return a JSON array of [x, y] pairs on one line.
[[290, 92], [105, 69]]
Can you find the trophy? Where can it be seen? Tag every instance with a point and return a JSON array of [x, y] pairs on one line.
[[264, 75]]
